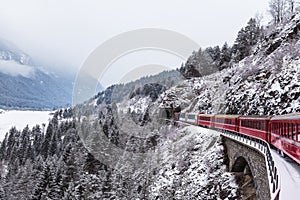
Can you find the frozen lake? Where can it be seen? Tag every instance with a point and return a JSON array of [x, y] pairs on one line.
[[20, 119]]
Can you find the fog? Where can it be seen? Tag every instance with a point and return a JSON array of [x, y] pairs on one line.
[[61, 34]]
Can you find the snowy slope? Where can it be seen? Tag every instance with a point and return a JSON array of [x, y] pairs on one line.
[[192, 168], [20, 119], [264, 83]]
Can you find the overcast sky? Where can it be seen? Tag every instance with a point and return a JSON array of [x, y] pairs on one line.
[[64, 32]]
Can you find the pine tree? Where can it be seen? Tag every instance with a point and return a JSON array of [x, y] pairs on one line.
[[3, 147], [225, 56], [68, 168], [246, 39], [42, 183], [2, 193], [24, 145], [47, 141], [70, 193]]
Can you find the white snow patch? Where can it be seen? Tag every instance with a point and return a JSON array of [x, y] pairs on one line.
[[139, 105]]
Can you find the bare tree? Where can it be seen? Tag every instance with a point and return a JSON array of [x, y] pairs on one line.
[[291, 5], [277, 10]]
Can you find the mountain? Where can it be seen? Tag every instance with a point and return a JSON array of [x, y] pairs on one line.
[[23, 85]]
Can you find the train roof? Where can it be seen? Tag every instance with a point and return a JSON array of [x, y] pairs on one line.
[[227, 116], [191, 113], [255, 117], [293, 116], [206, 115]]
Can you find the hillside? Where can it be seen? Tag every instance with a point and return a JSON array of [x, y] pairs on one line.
[[263, 83], [23, 85]]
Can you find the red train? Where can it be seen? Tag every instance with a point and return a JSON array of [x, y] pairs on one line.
[[282, 132]]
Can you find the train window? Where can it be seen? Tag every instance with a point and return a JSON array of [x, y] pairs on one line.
[[288, 131], [298, 130], [293, 131], [280, 128]]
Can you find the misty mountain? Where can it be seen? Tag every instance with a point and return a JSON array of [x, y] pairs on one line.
[[23, 85]]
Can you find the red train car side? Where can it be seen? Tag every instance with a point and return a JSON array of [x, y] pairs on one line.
[[205, 120], [255, 126], [285, 134], [226, 122]]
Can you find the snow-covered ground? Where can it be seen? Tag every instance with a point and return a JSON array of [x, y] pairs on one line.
[[290, 176], [20, 119], [192, 167]]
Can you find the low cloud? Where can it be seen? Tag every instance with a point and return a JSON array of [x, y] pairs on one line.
[[15, 69]]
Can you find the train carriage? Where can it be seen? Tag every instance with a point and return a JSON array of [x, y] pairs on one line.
[[255, 126], [285, 134], [205, 120], [191, 118], [182, 117], [226, 122]]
